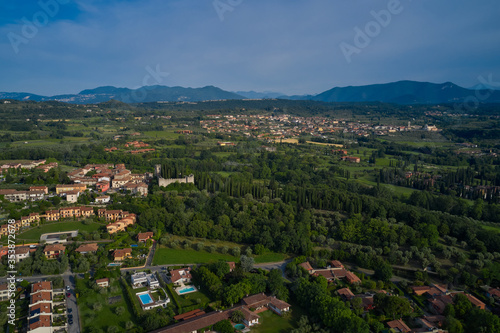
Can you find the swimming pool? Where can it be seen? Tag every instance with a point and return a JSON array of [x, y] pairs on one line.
[[239, 327], [146, 299], [185, 290], [113, 264]]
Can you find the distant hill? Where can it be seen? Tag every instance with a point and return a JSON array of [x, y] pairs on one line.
[[126, 95], [403, 92]]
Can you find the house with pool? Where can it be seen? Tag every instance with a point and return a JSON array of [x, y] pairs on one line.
[[198, 321], [143, 279], [181, 276], [152, 299]]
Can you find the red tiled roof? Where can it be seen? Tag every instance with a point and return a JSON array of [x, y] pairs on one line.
[[306, 265], [399, 326]]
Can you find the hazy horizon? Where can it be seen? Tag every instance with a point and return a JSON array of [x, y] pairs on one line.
[[58, 47]]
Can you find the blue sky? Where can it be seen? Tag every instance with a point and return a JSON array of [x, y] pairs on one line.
[[289, 46]]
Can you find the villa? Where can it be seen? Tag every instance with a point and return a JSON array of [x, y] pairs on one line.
[[181, 276], [142, 279], [122, 254], [53, 251], [87, 248]]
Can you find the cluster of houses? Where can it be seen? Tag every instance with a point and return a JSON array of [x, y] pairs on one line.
[[250, 306], [39, 164], [287, 126], [110, 176], [41, 308], [51, 251], [135, 144], [119, 220], [335, 271], [438, 296]]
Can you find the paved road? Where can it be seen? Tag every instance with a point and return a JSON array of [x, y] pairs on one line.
[[69, 280]]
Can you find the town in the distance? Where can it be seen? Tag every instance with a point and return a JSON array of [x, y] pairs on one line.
[[262, 215]]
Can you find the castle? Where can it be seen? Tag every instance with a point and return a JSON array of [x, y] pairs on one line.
[[166, 182]]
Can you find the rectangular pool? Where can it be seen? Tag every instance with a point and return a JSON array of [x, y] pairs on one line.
[[185, 290], [146, 299]]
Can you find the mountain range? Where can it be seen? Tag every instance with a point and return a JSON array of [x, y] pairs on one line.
[[401, 92]]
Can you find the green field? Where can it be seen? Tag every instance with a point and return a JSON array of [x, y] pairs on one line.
[[270, 322], [35, 233], [491, 228], [168, 256], [269, 257], [107, 315]]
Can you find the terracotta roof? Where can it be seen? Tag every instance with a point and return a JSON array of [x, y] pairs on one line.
[[22, 249], [494, 292], [54, 248], [40, 296], [102, 280], [196, 323], [346, 293], [336, 264], [176, 274], [93, 247], [144, 235], [122, 252], [190, 314], [398, 326], [40, 286], [279, 304], [339, 273], [306, 265], [475, 301], [39, 321], [41, 308], [250, 301], [352, 278]]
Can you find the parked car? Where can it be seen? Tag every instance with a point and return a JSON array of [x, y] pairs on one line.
[[68, 288], [68, 294], [70, 310], [19, 280]]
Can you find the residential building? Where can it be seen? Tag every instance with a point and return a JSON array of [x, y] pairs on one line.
[[21, 253], [53, 251], [122, 254], [45, 189], [182, 275], [398, 326], [143, 279], [144, 236], [87, 248], [104, 199], [103, 283], [70, 187]]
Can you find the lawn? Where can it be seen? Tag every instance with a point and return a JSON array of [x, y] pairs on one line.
[[35, 233], [270, 322], [168, 256], [106, 316], [491, 228], [269, 257]]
